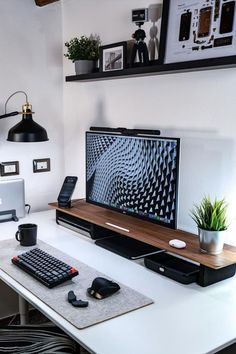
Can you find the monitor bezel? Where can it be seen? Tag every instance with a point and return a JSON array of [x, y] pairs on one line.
[[124, 212]]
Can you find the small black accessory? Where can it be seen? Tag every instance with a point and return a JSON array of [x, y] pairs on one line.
[[76, 303], [140, 47], [80, 303], [71, 296], [102, 287], [139, 16], [67, 189]]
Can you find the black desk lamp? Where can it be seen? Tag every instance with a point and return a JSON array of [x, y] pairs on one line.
[[27, 130]]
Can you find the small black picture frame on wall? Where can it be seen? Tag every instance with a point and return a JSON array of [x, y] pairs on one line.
[[9, 168], [113, 57], [199, 33], [41, 165]]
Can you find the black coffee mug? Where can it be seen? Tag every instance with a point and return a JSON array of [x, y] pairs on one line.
[[27, 234]]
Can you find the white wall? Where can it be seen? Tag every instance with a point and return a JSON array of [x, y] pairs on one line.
[[198, 107], [31, 60]]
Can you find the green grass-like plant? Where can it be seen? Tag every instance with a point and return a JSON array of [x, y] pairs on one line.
[[210, 215], [83, 48]]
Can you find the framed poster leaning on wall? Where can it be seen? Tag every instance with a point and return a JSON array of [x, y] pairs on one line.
[[200, 29]]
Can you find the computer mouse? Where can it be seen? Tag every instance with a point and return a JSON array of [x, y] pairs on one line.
[[102, 288], [177, 243]]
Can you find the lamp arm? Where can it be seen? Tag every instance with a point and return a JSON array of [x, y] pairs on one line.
[[26, 97], [15, 113]]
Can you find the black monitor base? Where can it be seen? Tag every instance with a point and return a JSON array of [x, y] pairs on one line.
[[127, 247]]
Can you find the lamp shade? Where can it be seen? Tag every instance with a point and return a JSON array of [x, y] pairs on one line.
[[27, 130]]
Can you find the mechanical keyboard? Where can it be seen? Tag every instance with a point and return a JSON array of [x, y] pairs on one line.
[[47, 269]]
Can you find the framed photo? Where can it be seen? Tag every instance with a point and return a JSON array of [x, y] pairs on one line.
[[155, 29], [41, 165], [113, 56], [200, 30], [9, 168]]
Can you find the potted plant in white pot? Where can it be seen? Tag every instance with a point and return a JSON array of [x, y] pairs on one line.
[[210, 217], [84, 52]]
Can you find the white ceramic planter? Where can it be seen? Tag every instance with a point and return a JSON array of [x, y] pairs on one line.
[[211, 242]]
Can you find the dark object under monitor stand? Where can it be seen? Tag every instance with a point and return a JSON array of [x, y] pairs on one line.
[[186, 272], [127, 247], [173, 267], [12, 212]]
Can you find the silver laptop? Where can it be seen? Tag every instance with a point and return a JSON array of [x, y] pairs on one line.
[[12, 197]]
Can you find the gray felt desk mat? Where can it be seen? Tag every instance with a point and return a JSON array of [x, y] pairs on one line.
[[124, 301]]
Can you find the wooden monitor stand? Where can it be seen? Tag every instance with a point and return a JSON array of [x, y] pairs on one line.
[[96, 219]]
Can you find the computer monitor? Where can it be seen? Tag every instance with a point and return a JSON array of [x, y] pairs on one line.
[[135, 175]]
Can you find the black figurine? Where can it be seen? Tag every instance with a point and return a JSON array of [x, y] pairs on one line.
[[140, 46]]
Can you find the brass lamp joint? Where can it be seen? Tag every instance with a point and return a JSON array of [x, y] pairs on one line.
[[27, 109]]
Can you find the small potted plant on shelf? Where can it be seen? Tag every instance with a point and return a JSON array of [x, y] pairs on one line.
[[84, 52], [210, 217]]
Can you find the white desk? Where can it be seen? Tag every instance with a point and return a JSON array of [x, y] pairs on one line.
[[185, 319]]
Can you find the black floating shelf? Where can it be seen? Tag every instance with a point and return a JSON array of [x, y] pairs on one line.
[[196, 65]]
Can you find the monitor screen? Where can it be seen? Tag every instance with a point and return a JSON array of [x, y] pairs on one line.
[[135, 175]]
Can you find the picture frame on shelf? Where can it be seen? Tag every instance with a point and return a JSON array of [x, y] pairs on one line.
[[200, 32], [113, 57], [150, 33], [155, 30]]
